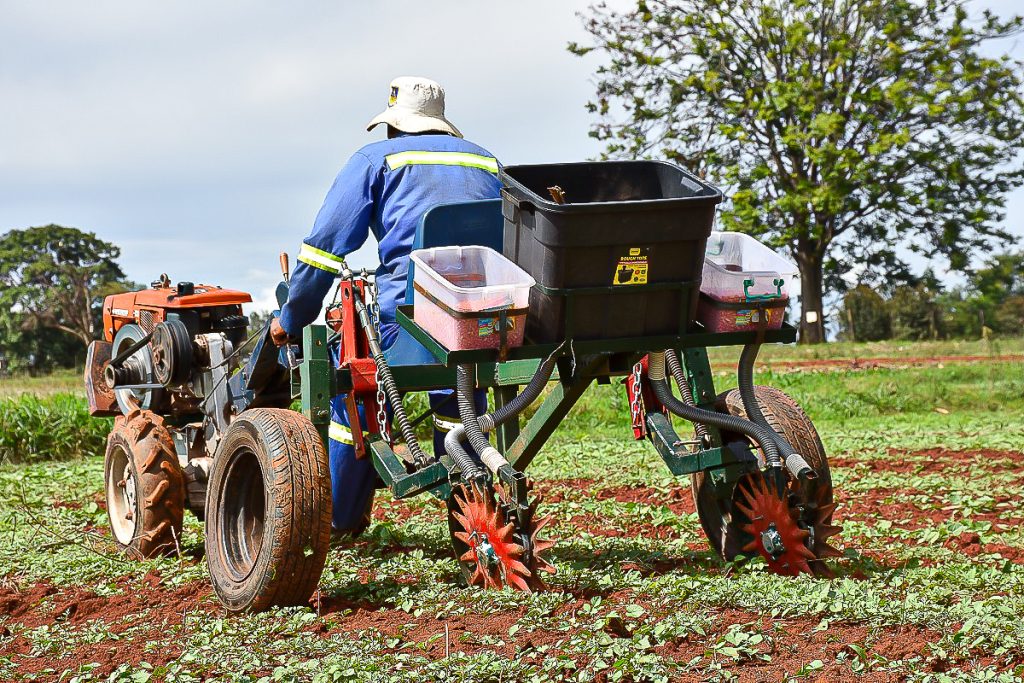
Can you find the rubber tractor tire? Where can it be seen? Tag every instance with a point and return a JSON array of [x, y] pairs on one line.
[[717, 517], [145, 488], [268, 511]]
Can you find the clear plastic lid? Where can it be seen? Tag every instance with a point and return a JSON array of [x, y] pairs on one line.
[[738, 267], [471, 278]]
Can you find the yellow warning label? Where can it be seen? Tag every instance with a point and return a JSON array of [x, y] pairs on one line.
[[631, 268]]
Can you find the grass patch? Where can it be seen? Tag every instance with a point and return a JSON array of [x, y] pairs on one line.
[[60, 382], [52, 427], [881, 349]]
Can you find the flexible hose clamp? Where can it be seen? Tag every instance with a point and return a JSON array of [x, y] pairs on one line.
[[799, 468]]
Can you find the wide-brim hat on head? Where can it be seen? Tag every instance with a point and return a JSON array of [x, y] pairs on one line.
[[416, 105]]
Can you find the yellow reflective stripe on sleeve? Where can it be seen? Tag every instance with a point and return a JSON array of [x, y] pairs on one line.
[[339, 432], [412, 158], [318, 258]]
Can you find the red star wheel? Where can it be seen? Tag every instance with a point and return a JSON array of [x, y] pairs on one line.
[[777, 534], [490, 546]]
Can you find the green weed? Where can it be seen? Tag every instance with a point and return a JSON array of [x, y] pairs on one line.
[[53, 427]]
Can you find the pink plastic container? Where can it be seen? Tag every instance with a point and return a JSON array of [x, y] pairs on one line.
[[740, 315], [744, 286], [459, 293]]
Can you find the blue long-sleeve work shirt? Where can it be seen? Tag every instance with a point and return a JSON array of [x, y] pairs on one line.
[[385, 187]]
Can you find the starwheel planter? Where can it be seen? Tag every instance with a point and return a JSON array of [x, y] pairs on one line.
[[610, 256]]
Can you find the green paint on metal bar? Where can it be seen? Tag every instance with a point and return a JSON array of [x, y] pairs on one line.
[[388, 465], [315, 372], [698, 374], [673, 450], [550, 413], [680, 460], [424, 377], [787, 334], [723, 479], [515, 372], [508, 432], [419, 481], [403, 484]]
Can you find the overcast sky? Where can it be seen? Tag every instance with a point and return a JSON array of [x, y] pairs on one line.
[[201, 137]]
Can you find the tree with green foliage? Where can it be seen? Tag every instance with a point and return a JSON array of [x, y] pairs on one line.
[[257, 319], [996, 286], [993, 297], [841, 129], [915, 313], [53, 277], [36, 350], [864, 315], [1009, 316]]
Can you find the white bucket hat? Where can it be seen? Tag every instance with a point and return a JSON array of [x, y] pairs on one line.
[[416, 105]]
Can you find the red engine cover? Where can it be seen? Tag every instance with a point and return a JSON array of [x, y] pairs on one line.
[[122, 309]]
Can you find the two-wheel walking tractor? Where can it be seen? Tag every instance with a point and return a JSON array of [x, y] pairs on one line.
[[615, 258]]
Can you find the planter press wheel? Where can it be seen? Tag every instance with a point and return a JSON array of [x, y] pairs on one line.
[[268, 511], [492, 549], [144, 486], [730, 530]]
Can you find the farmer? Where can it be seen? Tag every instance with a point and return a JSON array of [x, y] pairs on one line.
[[385, 187]]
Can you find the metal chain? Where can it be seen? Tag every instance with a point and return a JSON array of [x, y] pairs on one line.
[[634, 406], [382, 413], [374, 303], [382, 399]]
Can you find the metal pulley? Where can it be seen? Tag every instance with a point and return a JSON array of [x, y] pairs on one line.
[[130, 372], [172, 353]]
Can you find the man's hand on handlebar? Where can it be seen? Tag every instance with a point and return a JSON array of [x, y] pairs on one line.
[[278, 335]]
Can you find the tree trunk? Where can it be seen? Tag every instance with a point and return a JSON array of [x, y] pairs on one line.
[[811, 277]]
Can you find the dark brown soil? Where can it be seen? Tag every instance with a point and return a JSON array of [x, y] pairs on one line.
[[146, 604], [936, 460], [888, 504], [678, 498], [970, 544], [142, 610], [793, 643]]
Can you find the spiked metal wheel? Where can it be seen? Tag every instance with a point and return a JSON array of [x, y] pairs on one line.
[[494, 550], [777, 531], [742, 525]]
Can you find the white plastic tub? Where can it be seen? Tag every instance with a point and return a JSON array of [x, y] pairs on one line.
[[745, 284], [456, 287]]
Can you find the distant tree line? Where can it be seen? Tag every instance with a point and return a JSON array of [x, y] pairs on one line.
[[53, 280], [899, 306]]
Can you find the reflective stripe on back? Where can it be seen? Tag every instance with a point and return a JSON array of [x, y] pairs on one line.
[[466, 159], [319, 258]]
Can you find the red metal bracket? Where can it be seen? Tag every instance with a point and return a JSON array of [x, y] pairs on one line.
[[641, 398], [354, 355]]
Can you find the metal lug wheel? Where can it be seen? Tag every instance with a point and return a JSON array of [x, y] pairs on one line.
[[145, 488], [493, 548]]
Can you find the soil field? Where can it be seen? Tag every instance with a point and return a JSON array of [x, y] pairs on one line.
[[884, 362], [930, 588]]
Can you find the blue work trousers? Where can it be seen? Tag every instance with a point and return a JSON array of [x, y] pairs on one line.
[[353, 480]]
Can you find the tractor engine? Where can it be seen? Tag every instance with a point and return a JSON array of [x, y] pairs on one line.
[[170, 351]]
